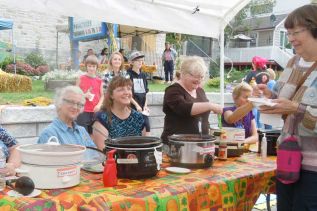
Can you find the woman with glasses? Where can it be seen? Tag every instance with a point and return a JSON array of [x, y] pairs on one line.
[[69, 102], [185, 102], [116, 118], [296, 98]]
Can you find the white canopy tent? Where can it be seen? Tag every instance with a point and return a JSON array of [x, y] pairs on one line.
[[196, 17]]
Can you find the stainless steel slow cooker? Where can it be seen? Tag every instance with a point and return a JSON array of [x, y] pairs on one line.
[[137, 157], [191, 150], [51, 166]]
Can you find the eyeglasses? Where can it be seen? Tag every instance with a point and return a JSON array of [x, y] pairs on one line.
[[295, 33], [198, 77], [72, 103]]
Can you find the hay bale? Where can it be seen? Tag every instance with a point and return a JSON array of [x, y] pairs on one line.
[[14, 82]]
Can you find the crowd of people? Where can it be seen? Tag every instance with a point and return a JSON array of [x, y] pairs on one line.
[[116, 106]]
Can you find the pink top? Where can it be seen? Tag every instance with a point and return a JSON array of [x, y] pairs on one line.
[[94, 84]]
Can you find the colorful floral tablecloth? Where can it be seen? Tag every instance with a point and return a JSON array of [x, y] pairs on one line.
[[228, 185]]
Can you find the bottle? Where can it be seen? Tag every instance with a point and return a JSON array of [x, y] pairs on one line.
[[264, 146], [110, 171], [223, 149], [253, 82], [2, 167]]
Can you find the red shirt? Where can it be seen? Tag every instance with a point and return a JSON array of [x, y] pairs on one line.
[[95, 84]]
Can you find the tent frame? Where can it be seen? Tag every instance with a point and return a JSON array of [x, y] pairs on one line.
[[9, 26]]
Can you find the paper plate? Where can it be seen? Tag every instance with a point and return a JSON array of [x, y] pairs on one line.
[[178, 170], [261, 101], [35, 193]]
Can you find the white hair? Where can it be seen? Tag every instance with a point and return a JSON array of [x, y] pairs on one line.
[[193, 65], [63, 92]]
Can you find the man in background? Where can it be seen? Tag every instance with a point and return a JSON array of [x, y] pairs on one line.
[[168, 59]]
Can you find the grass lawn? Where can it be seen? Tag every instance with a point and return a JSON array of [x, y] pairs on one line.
[[38, 91], [18, 97]]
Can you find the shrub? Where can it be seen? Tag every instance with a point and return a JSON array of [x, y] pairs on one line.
[[26, 69], [21, 68], [35, 59], [213, 82], [237, 75], [7, 60]]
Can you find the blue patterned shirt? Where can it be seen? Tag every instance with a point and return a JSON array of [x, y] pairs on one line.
[[66, 135], [7, 141], [132, 126]]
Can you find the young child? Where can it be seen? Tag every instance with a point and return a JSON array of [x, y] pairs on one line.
[[93, 88], [240, 115], [140, 87]]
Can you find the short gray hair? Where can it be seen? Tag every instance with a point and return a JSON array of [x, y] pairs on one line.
[[62, 92], [193, 65]]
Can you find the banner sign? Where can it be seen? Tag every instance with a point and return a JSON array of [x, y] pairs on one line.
[[83, 29]]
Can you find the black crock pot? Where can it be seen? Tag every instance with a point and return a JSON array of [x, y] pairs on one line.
[[271, 137], [136, 156]]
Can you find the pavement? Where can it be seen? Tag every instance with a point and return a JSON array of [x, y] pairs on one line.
[[260, 204]]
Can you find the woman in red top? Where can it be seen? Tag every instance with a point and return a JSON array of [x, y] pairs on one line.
[[93, 88]]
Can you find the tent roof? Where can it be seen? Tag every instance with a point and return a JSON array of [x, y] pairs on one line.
[[5, 24], [200, 17]]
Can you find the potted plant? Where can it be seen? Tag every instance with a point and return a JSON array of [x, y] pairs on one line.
[[60, 78]]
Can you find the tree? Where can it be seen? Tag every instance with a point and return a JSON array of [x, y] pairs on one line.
[[252, 9]]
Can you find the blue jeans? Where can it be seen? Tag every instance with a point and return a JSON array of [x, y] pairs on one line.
[[301, 195]]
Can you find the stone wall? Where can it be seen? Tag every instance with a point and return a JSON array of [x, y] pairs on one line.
[[26, 123], [36, 31]]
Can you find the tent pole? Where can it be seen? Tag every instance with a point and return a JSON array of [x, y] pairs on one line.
[[56, 59], [13, 49], [222, 76]]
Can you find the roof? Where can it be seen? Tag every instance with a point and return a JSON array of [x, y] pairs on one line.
[[258, 23], [5, 24], [242, 37], [200, 17]]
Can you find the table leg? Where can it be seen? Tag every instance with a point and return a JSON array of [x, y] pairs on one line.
[[268, 206]]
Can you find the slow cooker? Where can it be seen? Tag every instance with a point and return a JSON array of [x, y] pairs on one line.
[[271, 137], [51, 166], [137, 157], [191, 150]]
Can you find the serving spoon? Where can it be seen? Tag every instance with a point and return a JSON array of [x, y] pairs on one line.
[[23, 185]]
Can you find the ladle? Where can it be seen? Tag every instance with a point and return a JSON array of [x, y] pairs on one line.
[[23, 185]]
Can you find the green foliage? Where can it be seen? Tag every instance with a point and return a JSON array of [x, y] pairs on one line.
[[214, 82], [18, 97], [8, 60], [261, 7], [35, 59], [236, 75], [254, 7]]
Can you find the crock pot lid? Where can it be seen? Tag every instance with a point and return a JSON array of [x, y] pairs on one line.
[[137, 141], [191, 137], [52, 148]]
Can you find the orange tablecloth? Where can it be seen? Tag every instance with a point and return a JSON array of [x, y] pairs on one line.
[[229, 185]]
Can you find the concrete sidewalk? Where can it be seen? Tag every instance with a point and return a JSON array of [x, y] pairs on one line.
[[260, 204]]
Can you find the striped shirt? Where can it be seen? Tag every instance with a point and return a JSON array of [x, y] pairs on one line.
[[303, 122]]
